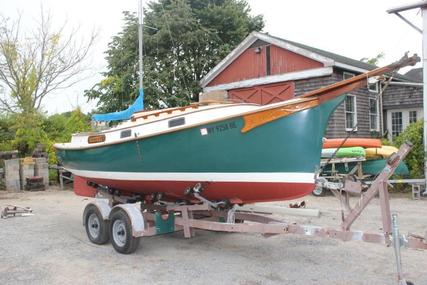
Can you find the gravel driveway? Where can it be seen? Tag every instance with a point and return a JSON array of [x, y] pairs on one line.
[[51, 247]]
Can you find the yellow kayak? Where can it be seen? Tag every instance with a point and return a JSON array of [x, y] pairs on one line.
[[380, 152]]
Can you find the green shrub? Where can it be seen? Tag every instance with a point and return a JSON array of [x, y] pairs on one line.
[[415, 159], [24, 131]]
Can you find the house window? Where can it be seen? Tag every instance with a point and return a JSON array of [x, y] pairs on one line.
[[396, 123], [347, 75], [373, 115], [412, 116], [373, 87], [267, 60], [350, 113]]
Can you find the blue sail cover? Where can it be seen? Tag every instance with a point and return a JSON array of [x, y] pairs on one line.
[[138, 105]]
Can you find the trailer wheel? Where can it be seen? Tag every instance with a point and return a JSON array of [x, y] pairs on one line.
[[319, 191], [96, 226], [121, 232]]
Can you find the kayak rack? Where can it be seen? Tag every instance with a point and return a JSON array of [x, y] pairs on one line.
[[113, 218]]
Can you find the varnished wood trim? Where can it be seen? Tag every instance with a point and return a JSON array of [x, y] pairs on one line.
[[171, 117], [165, 111], [254, 120], [96, 139]]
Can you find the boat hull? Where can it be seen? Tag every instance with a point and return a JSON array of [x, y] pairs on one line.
[[275, 161], [239, 192]]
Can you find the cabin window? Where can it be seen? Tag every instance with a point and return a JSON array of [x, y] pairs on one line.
[[412, 116], [350, 113], [347, 75], [373, 115], [176, 122], [125, 134], [396, 123]]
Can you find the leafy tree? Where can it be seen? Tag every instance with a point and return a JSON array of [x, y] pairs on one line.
[[55, 127], [29, 132], [374, 60], [24, 131], [183, 40], [60, 127], [6, 132], [33, 65], [415, 158]]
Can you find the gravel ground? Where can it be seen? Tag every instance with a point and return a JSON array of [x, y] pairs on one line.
[[51, 247]]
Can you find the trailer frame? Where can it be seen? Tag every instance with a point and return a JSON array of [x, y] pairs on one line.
[[150, 219]]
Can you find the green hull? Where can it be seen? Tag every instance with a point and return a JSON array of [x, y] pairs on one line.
[[289, 144], [272, 162]]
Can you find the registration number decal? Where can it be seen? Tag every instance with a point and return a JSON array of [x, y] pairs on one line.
[[218, 128]]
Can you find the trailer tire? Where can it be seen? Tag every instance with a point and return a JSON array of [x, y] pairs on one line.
[[97, 229], [121, 232]]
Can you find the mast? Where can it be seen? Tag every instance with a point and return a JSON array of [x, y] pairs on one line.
[[141, 41]]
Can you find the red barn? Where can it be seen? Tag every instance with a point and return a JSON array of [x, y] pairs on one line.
[[264, 69]]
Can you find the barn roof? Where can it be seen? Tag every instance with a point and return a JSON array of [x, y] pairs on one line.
[[325, 57]]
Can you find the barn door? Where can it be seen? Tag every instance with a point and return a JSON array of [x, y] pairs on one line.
[[263, 94]]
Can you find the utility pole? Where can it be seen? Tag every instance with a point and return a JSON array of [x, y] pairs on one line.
[[423, 6]]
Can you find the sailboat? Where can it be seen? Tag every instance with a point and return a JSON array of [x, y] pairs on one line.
[[236, 152]]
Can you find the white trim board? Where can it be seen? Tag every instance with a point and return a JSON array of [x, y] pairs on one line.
[[350, 67], [285, 45], [413, 84], [272, 177], [297, 75]]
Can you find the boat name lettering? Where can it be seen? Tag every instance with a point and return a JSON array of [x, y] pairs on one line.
[[218, 128]]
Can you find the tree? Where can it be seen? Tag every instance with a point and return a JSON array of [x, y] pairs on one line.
[[183, 40], [33, 65], [374, 60], [7, 134]]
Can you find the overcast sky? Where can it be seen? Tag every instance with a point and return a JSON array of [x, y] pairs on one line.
[[355, 29]]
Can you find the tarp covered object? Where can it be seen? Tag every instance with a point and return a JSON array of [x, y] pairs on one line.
[[138, 105]]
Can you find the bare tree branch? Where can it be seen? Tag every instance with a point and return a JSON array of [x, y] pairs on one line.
[[32, 66]]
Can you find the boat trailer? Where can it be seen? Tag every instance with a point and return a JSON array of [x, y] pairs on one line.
[[123, 221]]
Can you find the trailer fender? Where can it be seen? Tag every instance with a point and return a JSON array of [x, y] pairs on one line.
[[135, 216], [103, 207]]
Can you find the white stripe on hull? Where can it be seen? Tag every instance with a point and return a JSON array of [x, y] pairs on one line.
[[277, 177]]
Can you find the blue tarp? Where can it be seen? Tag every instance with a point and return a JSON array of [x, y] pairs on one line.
[[138, 105]]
